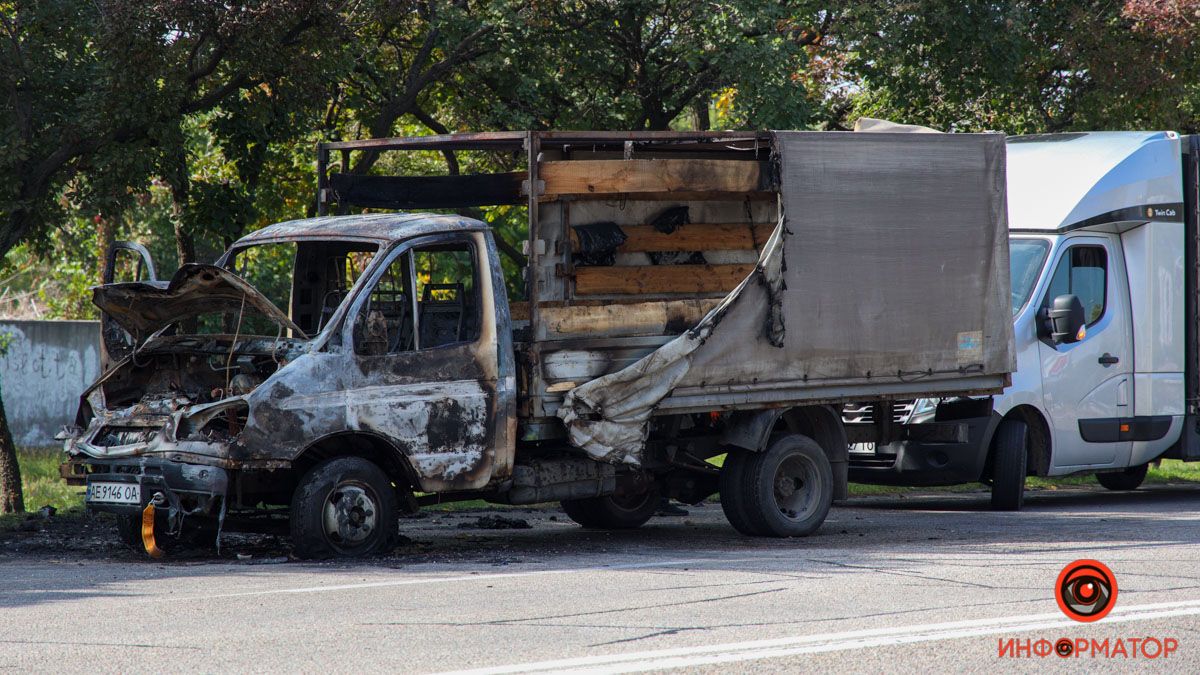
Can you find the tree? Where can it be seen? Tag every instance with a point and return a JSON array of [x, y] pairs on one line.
[[98, 91], [1019, 66], [12, 500], [644, 64], [1171, 18]]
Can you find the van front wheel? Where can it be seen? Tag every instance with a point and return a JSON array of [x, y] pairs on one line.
[[1129, 479], [343, 507], [1009, 465]]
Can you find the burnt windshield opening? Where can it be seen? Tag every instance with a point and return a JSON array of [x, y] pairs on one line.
[[306, 280]]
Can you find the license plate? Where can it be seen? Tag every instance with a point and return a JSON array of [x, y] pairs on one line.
[[114, 493]]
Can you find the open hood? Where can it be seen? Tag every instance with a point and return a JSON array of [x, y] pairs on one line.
[[142, 307]]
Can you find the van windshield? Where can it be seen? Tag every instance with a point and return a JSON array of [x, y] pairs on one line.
[[1025, 258]]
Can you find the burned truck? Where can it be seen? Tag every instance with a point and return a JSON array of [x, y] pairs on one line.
[[684, 317]]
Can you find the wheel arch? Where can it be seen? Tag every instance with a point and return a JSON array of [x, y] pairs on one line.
[[1040, 440], [369, 446], [752, 430]]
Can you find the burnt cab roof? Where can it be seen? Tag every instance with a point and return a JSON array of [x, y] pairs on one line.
[[382, 228]]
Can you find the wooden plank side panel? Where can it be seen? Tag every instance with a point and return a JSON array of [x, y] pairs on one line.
[[669, 317], [656, 279], [692, 237], [629, 176]]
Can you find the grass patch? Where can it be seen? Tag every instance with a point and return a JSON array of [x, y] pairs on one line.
[[42, 486], [41, 482]]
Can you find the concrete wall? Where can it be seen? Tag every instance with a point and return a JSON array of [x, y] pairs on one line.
[[46, 368]]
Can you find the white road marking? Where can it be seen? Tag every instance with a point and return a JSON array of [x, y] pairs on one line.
[[468, 577], [685, 657]]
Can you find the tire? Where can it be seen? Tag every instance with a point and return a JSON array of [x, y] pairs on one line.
[[1010, 457], [731, 480], [613, 513], [129, 531], [343, 507], [1129, 479], [785, 491]]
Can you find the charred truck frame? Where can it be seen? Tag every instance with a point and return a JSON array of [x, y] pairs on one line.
[[687, 296]]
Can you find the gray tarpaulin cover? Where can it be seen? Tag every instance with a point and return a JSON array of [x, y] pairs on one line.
[[890, 263]]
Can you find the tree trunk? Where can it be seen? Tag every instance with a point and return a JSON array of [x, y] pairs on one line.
[[700, 110], [180, 183], [11, 498], [106, 234]]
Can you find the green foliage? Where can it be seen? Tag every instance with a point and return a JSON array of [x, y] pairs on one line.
[[41, 483], [1021, 66], [188, 123], [641, 64]]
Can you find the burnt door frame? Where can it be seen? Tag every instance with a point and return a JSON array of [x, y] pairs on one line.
[[444, 407], [115, 342]]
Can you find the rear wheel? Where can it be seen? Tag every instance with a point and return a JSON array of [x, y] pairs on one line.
[[343, 507], [732, 480], [614, 512], [785, 491], [1009, 464], [1129, 479]]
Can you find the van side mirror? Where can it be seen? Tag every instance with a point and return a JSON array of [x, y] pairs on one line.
[[1066, 319]]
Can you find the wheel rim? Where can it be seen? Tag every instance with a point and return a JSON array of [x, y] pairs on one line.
[[350, 516], [797, 488], [631, 503]]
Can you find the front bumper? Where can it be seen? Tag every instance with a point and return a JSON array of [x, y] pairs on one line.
[[186, 489], [935, 453]]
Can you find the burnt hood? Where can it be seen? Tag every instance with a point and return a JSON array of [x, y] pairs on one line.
[[143, 307]]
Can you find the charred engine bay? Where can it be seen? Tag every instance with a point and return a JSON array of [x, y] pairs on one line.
[[172, 373]]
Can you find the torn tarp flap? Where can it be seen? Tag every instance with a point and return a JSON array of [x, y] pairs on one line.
[[670, 219], [667, 222], [609, 417], [598, 243]]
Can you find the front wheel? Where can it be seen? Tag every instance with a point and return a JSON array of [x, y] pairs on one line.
[[1129, 479], [785, 491], [1009, 465], [129, 531], [343, 507], [612, 512]]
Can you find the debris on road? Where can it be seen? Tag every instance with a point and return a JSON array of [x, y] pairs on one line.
[[494, 522]]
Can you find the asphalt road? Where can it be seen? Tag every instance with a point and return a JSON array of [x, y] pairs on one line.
[[925, 584]]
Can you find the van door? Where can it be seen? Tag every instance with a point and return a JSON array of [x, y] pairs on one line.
[[124, 261], [425, 352], [1086, 385]]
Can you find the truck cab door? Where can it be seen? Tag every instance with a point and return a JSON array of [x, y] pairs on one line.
[[124, 261], [426, 349], [1086, 385]]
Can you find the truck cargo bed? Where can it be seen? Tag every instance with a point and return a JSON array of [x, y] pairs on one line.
[[762, 270]]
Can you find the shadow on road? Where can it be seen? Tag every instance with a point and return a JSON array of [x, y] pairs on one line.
[[869, 533]]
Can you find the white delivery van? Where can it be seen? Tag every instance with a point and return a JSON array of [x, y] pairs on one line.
[[1102, 250]]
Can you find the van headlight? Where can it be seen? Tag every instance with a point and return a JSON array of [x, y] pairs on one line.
[[923, 410]]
